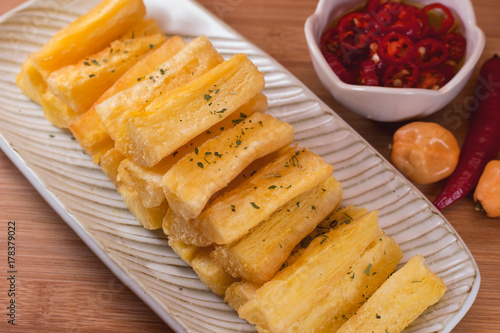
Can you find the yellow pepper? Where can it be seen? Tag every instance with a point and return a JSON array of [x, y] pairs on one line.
[[425, 152], [487, 194]]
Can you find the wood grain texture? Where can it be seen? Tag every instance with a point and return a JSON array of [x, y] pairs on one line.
[[63, 287]]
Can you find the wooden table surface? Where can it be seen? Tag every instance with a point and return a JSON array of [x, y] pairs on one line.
[[61, 286]]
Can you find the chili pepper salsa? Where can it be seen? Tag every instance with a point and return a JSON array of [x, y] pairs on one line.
[[395, 44]]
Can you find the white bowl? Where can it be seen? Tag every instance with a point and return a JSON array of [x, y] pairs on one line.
[[392, 104]]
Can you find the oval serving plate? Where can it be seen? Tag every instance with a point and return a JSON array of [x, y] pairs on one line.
[[80, 193]]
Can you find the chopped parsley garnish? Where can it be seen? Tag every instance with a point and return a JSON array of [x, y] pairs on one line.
[[350, 218], [254, 205], [324, 239], [276, 175], [221, 111], [367, 270]]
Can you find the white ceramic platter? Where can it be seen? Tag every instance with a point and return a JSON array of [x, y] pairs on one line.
[[76, 188]]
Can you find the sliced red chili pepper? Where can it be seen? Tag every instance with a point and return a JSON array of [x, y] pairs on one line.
[[430, 52], [445, 24], [353, 57], [456, 44], [396, 48], [372, 6], [381, 67], [401, 76], [368, 73], [394, 16], [355, 72], [380, 64], [356, 30], [432, 78], [449, 69], [387, 13], [339, 69], [406, 24], [422, 22], [329, 41], [396, 42]]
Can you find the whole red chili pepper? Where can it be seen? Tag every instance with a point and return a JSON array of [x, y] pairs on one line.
[[482, 142]]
